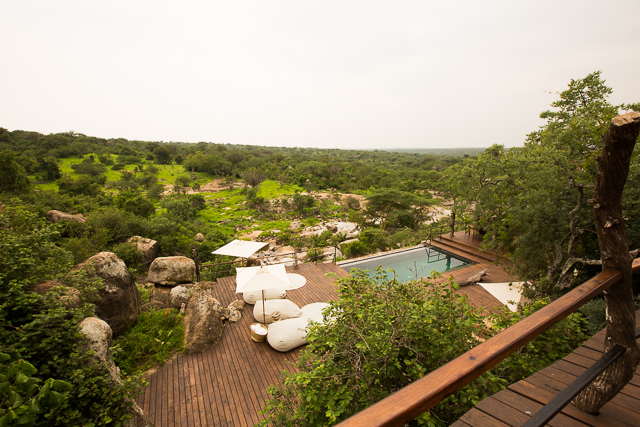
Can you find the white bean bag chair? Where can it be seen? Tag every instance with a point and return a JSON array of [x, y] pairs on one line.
[[286, 335], [287, 309], [252, 296], [313, 311]]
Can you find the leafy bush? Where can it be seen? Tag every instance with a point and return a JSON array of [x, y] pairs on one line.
[[595, 312], [383, 336], [355, 249], [156, 336], [23, 401], [130, 255]]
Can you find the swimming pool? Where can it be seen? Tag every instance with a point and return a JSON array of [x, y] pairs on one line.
[[410, 264]]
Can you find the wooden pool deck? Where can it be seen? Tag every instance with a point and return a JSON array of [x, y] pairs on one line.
[[226, 385], [517, 403], [470, 247]]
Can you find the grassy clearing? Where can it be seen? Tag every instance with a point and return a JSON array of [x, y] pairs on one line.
[[154, 339], [167, 174]]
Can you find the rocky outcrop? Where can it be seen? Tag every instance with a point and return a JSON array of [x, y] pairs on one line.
[[55, 216], [69, 297], [202, 322], [99, 337], [199, 238], [180, 295], [148, 247], [119, 297], [172, 270]]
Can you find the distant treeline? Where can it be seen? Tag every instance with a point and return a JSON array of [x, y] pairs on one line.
[[451, 152]]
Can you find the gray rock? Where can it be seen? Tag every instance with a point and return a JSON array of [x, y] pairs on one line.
[[199, 237], [202, 322], [99, 338], [172, 270], [148, 247], [180, 295], [55, 216], [119, 297]]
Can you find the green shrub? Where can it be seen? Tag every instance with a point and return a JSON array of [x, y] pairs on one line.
[[355, 249], [131, 256], [595, 312], [156, 336]]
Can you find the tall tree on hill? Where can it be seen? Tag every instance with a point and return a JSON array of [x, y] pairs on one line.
[[532, 200]]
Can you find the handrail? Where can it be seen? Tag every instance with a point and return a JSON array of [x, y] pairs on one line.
[[413, 400], [562, 399]]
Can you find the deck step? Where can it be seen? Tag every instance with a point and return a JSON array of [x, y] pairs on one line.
[[445, 243]]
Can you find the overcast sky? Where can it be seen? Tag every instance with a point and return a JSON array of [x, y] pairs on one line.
[[330, 74]]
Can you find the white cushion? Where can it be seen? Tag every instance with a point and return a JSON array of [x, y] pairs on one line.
[[287, 309], [313, 311], [252, 296], [286, 335]]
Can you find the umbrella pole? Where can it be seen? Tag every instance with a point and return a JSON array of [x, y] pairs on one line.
[[264, 314]]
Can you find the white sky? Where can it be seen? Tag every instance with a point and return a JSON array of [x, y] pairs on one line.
[[331, 74]]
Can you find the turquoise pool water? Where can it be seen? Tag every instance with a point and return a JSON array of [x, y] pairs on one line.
[[409, 264]]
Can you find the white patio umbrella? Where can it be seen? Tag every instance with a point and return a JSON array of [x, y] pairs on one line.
[[240, 248], [261, 278]]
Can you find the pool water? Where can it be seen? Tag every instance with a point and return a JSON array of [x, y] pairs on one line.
[[409, 264]]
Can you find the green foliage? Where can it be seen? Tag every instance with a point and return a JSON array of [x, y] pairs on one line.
[[355, 249], [550, 346], [88, 167], [374, 238], [84, 185], [156, 336], [27, 247], [44, 333], [301, 202], [183, 208], [532, 201], [130, 255], [595, 312], [23, 400], [135, 204], [382, 335], [13, 178]]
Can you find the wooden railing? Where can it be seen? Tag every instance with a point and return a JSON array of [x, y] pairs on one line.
[[415, 399]]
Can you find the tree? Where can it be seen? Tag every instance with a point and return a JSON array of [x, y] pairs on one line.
[[530, 201], [13, 178], [163, 155], [381, 203], [613, 168], [253, 177]]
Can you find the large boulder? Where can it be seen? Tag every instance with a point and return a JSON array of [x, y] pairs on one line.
[[172, 270], [69, 297], [55, 216], [99, 337], [148, 247], [119, 297], [202, 322]]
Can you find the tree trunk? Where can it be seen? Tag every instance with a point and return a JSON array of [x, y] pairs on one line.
[[613, 168]]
